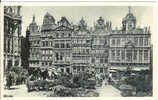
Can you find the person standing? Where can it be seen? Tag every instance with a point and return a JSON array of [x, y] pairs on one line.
[[9, 80]]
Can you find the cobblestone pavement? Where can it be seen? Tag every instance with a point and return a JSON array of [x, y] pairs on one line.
[[108, 91], [21, 91]]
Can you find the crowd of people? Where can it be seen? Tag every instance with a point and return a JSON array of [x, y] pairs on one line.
[[43, 74]]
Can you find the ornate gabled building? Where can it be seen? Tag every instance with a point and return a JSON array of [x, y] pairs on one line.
[[73, 48], [46, 41], [33, 37], [81, 46], [12, 37], [62, 45], [100, 45], [130, 47]]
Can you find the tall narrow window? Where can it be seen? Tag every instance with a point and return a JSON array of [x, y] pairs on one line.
[[146, 55], [46, 43], [118, 54], [57, 56], [118, 41], [113, 41], [113, 54], [56, 45], [141, 41], [140, 55], [93, 60], [146, 41], [136, 41], [68, 45], [101, 60], [135, 55], [129, 55], [62, 45], [123, 54]]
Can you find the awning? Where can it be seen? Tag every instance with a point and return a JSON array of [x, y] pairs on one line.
[[124, 68]]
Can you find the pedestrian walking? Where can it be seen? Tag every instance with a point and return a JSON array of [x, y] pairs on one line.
[[9, 80]]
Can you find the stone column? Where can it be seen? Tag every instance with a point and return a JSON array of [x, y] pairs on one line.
[[13, 61], [19, 62]]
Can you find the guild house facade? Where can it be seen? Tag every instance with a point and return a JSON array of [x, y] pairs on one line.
[[73, 48], [12, 37]]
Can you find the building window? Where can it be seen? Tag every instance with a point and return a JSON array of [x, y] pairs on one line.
[[8, 45], [69, 34], [101, 60], [146, 55], [62, 45], [57, 35], [113, 54], [123, 54], [135, 55], [83, 68], [136, 41], [50, 63], [61, 55], [56, 45], [87, 41], [118, 54], [101, 70], [62, 35], [42, 63], [57, 56], [46, 43], [113, 41], [146, 41], [68, 45], [101, 41], [87, 51], [105, 43], [141, 41], [118, 41], [93, 60], [106, 60], [140, 55], [46, 63], [129, 55]]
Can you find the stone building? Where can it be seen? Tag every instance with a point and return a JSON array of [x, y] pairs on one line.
[[130, 46], [33, 33], [46, 41], [12, 37], [81, 46], [63, 45], [100, 45], [72, 48]]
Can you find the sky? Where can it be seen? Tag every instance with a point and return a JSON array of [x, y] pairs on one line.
[[143, 14]]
